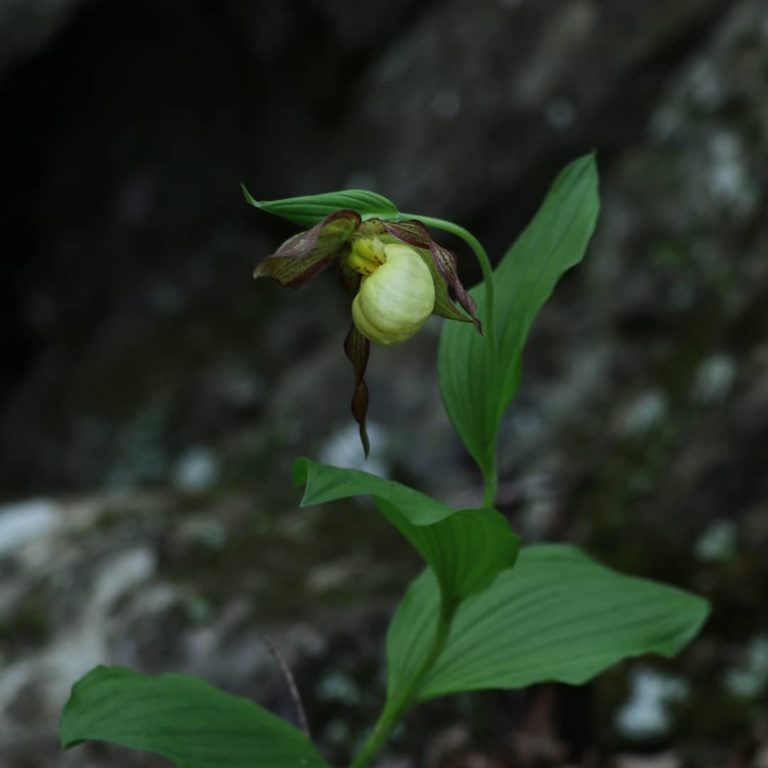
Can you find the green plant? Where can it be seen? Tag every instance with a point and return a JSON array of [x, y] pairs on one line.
[[485, 613]]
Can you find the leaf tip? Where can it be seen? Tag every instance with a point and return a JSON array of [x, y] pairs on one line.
[[249, 197], [703, 610], [300, 476], [299, 472]]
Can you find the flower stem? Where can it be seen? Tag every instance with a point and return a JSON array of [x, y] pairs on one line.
[[490, 474], [400, 703]]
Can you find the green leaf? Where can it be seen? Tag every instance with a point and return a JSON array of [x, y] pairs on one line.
[[558, 616], [310, 209], [183, 719], [466, 548], [555, 240]]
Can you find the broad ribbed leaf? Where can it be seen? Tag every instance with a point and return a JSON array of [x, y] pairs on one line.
[[555, 240], [558, 616], [183, 719], [465, 548], [310, 209]]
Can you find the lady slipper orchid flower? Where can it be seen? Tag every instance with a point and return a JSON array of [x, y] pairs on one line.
[[395, 274], [396, 295]]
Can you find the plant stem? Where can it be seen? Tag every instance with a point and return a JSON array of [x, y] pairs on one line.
[[400, 703], [490, 485], [490, 474]]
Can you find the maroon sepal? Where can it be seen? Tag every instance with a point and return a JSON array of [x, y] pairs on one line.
[[305, 254], [356, 348], [445, 261], [411, 232], [414, 233]]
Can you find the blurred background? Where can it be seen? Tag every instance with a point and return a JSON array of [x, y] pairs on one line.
[[153, 396]]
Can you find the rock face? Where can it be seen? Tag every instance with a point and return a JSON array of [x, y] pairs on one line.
[[155, 397], [145, 580]]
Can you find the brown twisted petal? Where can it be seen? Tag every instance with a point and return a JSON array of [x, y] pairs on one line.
[[446, 263], [357, 348], [443, 265], [304, 255]]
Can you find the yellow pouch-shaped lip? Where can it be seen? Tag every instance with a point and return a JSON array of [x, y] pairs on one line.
[[396, 299]]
